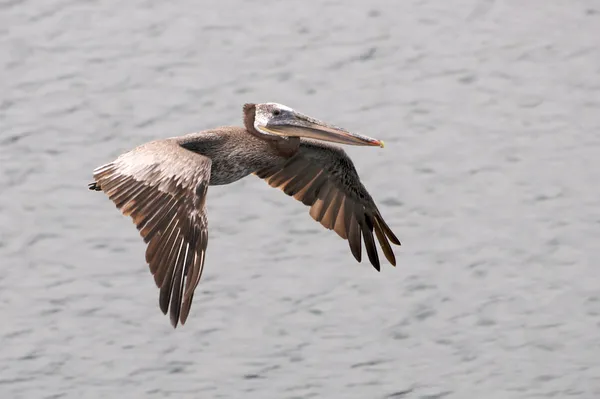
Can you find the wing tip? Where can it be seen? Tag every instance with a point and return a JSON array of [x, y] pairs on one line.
[[174, 316], [387, 230]]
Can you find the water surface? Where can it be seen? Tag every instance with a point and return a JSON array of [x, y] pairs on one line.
[[490, 112]]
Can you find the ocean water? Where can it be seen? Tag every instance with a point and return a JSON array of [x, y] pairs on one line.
[[490, 178]]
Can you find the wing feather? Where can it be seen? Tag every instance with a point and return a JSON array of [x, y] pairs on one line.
[[323, 177], [162, 187]]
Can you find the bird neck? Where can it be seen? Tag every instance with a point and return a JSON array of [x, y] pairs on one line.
[[249, 112]]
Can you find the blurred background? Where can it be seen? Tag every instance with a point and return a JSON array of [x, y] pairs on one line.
[[490, 112]]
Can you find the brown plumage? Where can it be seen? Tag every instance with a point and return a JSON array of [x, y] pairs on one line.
[[162, 186]]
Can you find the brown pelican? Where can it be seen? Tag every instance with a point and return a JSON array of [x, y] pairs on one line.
[[162, 185]]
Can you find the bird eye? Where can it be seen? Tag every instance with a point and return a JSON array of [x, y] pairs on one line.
[[276, 112]]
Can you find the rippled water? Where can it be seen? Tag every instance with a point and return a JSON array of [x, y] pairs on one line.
[[490, 177]]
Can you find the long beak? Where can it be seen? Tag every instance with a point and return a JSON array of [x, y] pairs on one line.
[[298, 125]]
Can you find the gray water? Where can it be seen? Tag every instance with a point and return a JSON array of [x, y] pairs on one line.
[[490, 178]]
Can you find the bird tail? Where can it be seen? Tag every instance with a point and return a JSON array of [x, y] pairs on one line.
[[94, 186]]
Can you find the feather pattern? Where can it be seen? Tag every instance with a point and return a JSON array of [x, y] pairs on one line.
[[323, 177], [162, 187]]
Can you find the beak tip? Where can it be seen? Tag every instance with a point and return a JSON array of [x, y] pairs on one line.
[[381, 144]]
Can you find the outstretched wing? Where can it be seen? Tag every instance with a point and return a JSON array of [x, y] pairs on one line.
[[323, 177], [162, 186]]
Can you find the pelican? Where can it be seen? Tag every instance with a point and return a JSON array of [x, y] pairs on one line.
[[162, 185]]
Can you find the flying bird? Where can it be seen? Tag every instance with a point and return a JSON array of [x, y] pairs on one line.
[[162, 185]]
